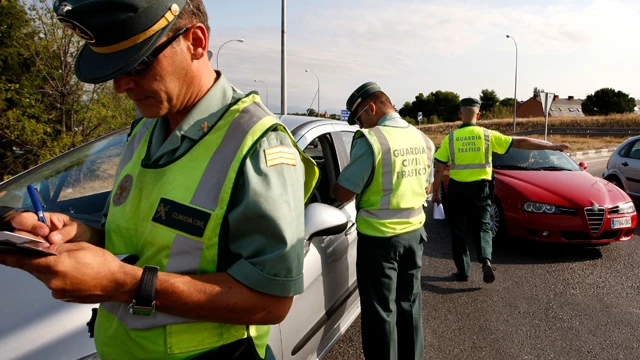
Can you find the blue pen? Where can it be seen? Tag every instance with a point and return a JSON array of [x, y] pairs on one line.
[[37, 204]]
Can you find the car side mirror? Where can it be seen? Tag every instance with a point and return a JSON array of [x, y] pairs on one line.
[[583, 165], [323, 220]]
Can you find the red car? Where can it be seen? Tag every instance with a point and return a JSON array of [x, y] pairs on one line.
[[544, 195]]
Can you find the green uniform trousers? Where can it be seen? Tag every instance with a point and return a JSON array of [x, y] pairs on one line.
[[468, 212], [388, 270]]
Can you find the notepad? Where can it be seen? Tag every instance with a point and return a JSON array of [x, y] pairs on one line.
[[438, 212], [11, 243]]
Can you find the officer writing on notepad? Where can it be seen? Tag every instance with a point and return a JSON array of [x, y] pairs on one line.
[[203, 162]]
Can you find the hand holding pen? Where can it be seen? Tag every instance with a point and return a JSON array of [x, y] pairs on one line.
[[37, 203]]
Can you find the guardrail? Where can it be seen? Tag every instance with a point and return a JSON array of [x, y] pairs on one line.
[[583, 131]]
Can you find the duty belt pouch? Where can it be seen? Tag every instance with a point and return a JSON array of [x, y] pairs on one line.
[[242, 349]]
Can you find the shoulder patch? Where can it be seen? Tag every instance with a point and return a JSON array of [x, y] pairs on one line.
[[280, 155]]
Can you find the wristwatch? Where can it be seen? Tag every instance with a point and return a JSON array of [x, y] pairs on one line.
[[144, 303]]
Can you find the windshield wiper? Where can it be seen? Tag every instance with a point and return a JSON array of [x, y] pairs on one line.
[[554, 168], [511, 167]]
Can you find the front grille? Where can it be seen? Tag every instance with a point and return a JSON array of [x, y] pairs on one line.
[[595, 217]]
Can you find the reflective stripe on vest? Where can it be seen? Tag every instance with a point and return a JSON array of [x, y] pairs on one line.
[[487, 153], [137, 136], [384, 218]]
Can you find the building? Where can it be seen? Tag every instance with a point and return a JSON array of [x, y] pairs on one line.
[[569, 107]]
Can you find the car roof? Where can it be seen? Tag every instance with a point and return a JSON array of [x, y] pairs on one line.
[[293, 122]]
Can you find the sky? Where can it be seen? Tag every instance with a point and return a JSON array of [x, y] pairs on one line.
[[410, 47]]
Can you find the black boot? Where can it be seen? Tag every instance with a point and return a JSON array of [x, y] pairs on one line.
[[487, 272]]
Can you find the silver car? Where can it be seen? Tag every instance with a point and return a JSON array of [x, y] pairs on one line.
[[623, 167], [35, 326]]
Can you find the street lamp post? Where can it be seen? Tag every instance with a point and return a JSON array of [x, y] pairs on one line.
[[283, 60], [515, 89], [220, 48], [266, 89], [318, 91]]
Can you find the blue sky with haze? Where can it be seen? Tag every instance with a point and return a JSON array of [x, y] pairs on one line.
[[408, 47]]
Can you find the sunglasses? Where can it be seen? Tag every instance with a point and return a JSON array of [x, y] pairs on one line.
[[360, 113], [148, 60]]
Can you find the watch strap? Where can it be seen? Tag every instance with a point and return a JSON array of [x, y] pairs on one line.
[[145, 299]]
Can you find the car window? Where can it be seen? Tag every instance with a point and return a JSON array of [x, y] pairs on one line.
[[322, 151], [624, 150], [347, 137], [76, 183], [517, 159], [634, 150]]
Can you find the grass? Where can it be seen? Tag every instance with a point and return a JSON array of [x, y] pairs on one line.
[[577, 143]]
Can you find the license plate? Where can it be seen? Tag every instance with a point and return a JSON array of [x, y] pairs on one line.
[[620, 223]]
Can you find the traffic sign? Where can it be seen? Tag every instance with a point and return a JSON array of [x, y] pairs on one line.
[[420, 117], [546, 99], [344, 115]]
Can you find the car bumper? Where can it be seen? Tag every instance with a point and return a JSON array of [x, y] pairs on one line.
[[572, 229]]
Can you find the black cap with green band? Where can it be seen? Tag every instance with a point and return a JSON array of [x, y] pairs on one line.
[[118, 33], [470, 102], [361, 93]]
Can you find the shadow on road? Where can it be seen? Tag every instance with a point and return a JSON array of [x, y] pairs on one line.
[[427, 284]]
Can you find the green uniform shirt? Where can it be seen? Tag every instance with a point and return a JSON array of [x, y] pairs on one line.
[[359, 172], [259, 233], [498, 142]]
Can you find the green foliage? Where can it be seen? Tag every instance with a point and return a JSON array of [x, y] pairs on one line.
[[488, 100], [433, 119], [506, 102], [443, 104], [44, 109], [410, 120], [608, 101], [498, 112]]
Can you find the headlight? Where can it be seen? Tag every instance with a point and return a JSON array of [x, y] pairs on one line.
[[540, 208], [626, 208]]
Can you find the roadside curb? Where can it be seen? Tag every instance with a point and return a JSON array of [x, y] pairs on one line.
[[591, 153]]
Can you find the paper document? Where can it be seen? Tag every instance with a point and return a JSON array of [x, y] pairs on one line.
[[438, 212], [11, 243]]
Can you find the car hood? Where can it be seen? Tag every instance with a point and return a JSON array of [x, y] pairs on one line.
[[562, 188]]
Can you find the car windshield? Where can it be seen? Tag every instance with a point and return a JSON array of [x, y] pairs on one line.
[[76, 183], [517, 159]]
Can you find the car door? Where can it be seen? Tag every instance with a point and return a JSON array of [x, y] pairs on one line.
[[330, 300], [33, 325], [630, 169]]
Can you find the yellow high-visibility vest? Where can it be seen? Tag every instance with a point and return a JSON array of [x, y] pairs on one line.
[[392, 203], [171, 216]]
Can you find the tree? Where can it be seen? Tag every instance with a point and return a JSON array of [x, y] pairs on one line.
[[406, 111], [44, 109], [506, 102], [608, 101], [443, 104], [488, 100]]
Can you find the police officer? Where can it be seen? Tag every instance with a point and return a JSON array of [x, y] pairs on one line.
[[205, 161], [390, 173], [468, 151]]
